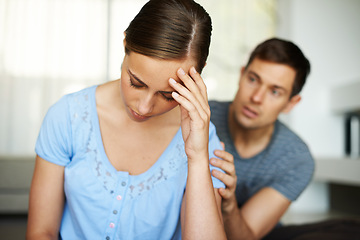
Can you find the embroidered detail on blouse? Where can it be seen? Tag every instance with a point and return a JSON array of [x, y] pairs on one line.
[[169, 167], [82, 118]]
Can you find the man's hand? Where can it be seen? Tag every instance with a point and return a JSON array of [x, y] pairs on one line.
[[255, 218], [229, 178]]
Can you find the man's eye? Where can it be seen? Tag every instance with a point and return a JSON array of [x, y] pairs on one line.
[[252, 79], [275, 92]]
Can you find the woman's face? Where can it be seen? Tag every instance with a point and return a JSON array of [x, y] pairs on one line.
[[145, 87]]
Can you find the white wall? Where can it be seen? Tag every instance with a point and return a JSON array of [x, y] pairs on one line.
[[329, 34]]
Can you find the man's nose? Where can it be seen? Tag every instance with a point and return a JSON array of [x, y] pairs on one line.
[[259, 94]]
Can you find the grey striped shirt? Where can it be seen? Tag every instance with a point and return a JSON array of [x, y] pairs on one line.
[[285, 165]]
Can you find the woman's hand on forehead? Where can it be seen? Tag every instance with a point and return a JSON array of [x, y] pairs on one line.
[[195, 111]]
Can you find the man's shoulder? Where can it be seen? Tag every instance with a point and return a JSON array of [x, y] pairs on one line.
[[214, 104], [288, 142], [219, 112], [219, 109], [284, 131]]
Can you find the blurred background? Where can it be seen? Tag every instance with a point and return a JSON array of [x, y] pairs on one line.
[[52, 47]]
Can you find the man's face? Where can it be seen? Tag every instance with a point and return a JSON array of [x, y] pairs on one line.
[[264, 92]]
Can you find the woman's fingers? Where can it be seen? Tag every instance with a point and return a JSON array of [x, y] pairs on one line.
[[189, 100], [199, 82], [196, 88], [184, 102]]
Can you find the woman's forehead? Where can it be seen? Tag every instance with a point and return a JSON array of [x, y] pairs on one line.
[[154, 70]]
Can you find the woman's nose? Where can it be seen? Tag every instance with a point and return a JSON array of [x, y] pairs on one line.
[[146, 104]]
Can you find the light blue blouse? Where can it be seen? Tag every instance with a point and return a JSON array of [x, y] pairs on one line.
[[101, 202]]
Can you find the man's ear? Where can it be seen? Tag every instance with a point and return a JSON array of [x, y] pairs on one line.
[[242, 72], [124, 41], [293, 101]]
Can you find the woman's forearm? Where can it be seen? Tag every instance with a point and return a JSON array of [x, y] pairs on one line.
[[201, 211], [46, 201]]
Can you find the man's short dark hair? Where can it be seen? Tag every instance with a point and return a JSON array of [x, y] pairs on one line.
[[284, 52]]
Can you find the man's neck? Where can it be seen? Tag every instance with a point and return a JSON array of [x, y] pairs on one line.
[[249, 142]]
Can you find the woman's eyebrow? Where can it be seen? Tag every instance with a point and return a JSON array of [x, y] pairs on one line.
[[136, 78]]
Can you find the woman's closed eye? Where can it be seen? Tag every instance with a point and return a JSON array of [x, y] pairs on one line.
[[135, 84], [167, 97]]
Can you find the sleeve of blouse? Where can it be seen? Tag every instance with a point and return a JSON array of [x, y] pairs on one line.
[[54, 140], [214, 143]]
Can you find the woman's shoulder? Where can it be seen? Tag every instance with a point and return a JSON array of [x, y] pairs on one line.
[[73, 98], [81, 95]]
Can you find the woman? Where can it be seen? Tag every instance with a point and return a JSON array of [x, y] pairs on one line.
[[129, 159]]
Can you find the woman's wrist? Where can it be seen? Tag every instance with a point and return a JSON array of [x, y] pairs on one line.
[[199, 159]]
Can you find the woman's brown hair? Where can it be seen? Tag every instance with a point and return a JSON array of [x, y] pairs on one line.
[[171, 29]]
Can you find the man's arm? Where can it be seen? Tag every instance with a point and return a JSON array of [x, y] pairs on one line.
[[258, 215]]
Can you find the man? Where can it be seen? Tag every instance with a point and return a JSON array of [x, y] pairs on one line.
[[270, 165]]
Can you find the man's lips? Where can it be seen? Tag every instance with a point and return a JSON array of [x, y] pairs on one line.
[[249, 112]]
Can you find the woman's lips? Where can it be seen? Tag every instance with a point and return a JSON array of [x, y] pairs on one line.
[[250, 113], [138, 117]]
